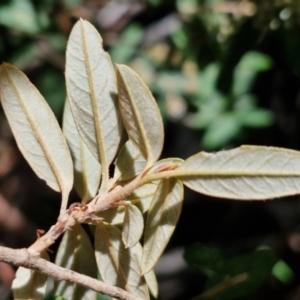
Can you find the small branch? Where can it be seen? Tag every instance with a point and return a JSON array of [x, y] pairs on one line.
[[105, 201], [23, 258], [65, 221], [85, 213]]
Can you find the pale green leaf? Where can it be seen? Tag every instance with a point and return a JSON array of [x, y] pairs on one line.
[[140, 114], [133, 226], [141, 197], [87, 170], [246, 173], [29, 284], [119, 266], [129, 163], [152, 283], [76, 253], [113, 215], [161, 221], [150, 277], [36, 130], [92, 92]]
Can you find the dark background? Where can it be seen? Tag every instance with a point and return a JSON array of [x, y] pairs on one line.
[[224, 73]]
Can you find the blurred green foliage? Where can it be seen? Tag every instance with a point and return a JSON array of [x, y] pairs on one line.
[[200, 62], [230, 278], [283, 272], [201, 59]]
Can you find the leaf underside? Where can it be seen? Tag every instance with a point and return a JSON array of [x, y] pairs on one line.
[[141, 197], [119, 266], [76, 253], [29, 284], [129, 163], [36, 130], [92, 92], [133, 226], [87, 170], [245, 173], [161, 221], [140, 114]]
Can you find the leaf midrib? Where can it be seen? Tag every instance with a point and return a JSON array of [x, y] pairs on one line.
[[112, 251], [96, 116], [37, 134], [139, 122]]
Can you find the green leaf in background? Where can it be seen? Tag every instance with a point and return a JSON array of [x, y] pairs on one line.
[[208, 112], [232, 278], [180, 39], [221, 131], [155, 2], [283, 272], [52, 87], [57, 42], [208, 80], [255, 61], [20, 15], [50, 296], [257, 266], [187, 6], [208, 260], [258, 117], [103, 297], [26, 56], [127, 44], [245, 72], [72, 3]]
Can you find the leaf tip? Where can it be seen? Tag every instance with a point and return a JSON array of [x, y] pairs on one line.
[[5, 65]]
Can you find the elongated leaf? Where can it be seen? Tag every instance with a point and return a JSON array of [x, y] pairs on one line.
[[114, 215], [119, 266], [247, 172], [150, 276], [92, 92], [141, 197], [140, 114], [36, 130], [87, 170], [76, 253], [130, 162], [152, 283], [133, 226], [29, 284], [162, 218]]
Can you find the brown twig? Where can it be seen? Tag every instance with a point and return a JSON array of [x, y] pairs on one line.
[[77, 213], [23, 258]]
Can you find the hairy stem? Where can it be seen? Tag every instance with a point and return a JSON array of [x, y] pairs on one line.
[[23, 258]]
